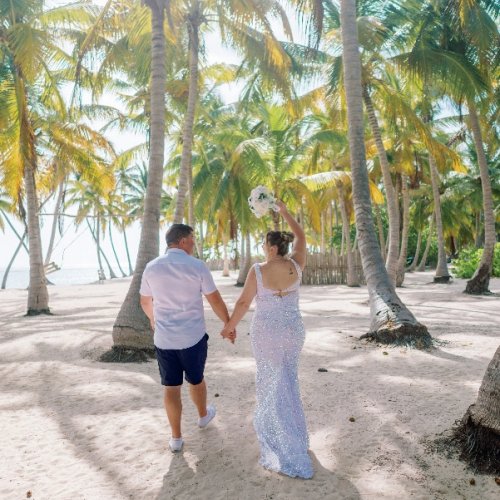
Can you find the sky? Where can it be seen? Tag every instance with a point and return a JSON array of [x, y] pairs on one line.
[[74, 248]]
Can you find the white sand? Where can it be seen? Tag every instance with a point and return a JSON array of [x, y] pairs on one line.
[[74, 428]]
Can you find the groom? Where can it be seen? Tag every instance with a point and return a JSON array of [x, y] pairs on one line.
[[171, 296]]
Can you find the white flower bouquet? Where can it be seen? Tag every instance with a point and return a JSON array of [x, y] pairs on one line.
[[261, 200]]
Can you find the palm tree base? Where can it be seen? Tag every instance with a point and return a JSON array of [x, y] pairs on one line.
[[239, 284], [37, 312], [122, 354], [442, 279], [480, 282], [404, 334], [479, 445]]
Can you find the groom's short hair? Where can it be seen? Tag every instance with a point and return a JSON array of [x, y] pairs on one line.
[[176, 232]]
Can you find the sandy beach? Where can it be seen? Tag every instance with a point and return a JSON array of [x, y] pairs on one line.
[[76, 428]]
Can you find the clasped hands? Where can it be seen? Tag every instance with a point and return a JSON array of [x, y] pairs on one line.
[[229, 333]]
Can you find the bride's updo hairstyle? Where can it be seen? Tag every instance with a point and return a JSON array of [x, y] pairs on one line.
[[281, 239]]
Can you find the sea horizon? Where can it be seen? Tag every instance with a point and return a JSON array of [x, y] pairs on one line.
[[19, 278]]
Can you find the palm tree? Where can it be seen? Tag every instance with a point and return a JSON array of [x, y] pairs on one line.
[[374, 37], [392, 322], [132, 330], [479, 430], [30, 91], [480, 281], [233, 20], [92, 201], [453, 49]]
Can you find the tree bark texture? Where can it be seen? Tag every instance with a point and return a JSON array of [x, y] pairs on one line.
[[405, 195], [390, 191], [194, 19], [479, 283], [479, 430], [442, 275]]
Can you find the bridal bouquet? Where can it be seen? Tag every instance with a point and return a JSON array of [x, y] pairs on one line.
[[261, 200]]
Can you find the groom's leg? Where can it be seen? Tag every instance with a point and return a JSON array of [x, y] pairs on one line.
[[173, 407], [171, 378], [194, 359], [198, 394]]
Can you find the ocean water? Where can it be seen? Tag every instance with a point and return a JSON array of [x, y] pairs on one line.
[[19, 278]]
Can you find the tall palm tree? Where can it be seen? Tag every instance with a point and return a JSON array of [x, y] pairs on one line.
[[132, 329], [453, 49], [392, 322], [479, 283], [233, 19], [30, 89], [373, 38]]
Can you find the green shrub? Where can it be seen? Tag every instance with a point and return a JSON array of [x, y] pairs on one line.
[[496, 261], [468, 260]]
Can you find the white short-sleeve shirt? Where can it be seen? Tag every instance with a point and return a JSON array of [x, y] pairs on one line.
[[176, 281]]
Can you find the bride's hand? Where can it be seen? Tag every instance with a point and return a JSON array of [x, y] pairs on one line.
[[281, 207]]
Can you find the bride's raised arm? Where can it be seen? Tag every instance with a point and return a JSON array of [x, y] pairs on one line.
[[299, 251]]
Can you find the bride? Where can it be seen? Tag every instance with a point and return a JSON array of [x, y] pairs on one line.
[[277, 336]]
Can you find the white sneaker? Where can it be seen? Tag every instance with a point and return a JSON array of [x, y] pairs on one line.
[[204, 421], [175, 444]]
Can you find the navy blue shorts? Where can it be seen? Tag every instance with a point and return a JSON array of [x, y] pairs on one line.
[[173, 363]]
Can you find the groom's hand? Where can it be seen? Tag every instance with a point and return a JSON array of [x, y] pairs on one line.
[[229, 334]]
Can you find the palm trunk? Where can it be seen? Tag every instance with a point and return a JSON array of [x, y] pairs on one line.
[[390, 192], [481, 280], [132, 329], [405, 194], [421, 266], [19, 237], [187, 134], [322, 236], [276, 221], [413, 265], [391, 321], [355, 242], [225, 271], [330, 227], [351, 274], [96, 235], [100, 252], [130, 269], [55, 222], [380, 228], [200, 242], [38, 296], [442, 275], [478, 240], [247, 263], [110, 232], [14, 255], [479, 431]]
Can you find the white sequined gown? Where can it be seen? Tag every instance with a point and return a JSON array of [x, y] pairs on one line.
[[277, 334]]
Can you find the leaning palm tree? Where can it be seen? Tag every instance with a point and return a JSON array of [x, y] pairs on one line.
[[392, 322], [479, 431]]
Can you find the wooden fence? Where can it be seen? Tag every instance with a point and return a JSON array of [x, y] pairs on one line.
[[321, 269], [330, 269]]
